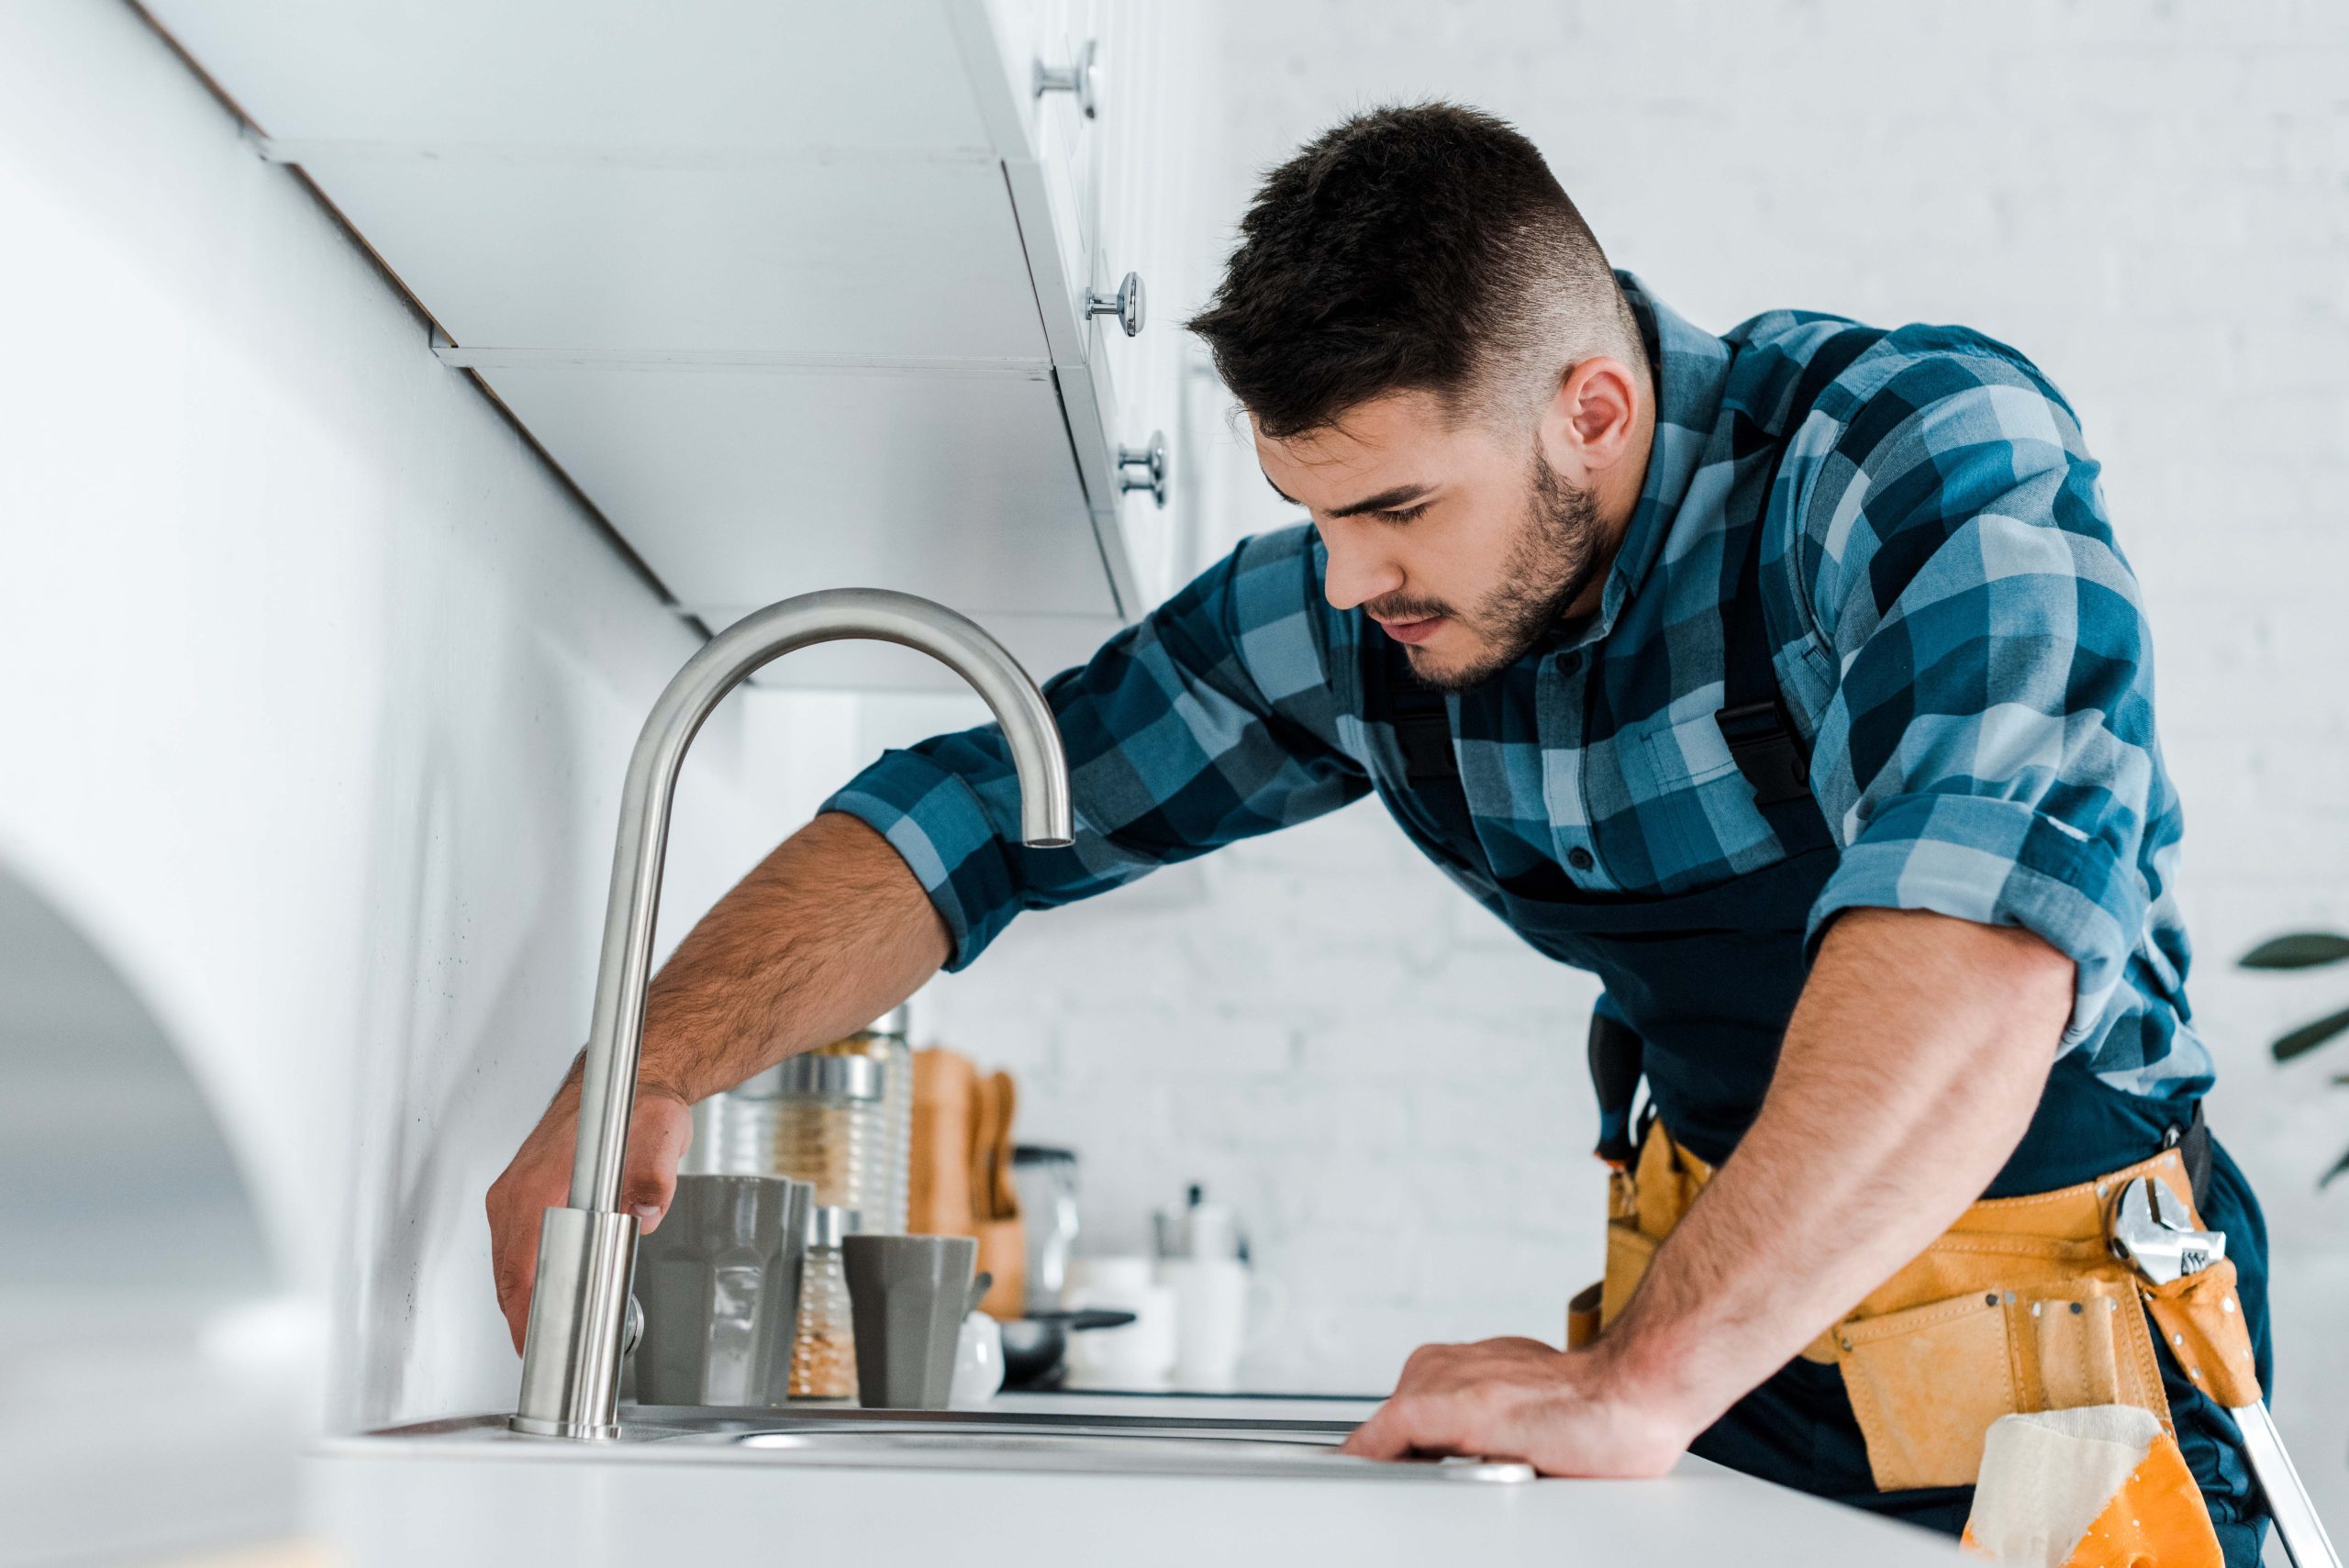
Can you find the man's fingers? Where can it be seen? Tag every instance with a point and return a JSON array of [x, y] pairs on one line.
[[515, 1265], [1391, 1432], [514, 1301], [658, 1137], [538, 1180], [1405, 1427], [1376, 1438]]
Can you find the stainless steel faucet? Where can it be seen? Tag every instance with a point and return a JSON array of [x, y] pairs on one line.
[[571, 1357]]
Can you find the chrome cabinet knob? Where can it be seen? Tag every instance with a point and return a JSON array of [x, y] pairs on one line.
[[1144, 470], [1078, 78], [1126, 304]]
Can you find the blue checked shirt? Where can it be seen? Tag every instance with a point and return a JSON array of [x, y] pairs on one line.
[[1957, 638]]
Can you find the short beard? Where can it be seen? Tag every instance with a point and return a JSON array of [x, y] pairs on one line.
[[1551, 562]]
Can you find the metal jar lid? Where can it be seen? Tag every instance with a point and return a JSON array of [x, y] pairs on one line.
[[815, 1076], [827, 1223]]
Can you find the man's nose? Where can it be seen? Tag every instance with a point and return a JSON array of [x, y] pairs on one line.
[[1356, 574]]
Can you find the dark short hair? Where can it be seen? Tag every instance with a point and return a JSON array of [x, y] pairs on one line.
[[1423, 247]]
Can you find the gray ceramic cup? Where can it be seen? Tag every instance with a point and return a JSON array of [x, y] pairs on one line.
[[719, 1282], [908, 1296]]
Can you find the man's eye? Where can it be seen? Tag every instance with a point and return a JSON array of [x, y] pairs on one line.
[[1404, 515]]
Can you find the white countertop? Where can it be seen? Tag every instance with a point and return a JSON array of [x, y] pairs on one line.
[[489, 1498]]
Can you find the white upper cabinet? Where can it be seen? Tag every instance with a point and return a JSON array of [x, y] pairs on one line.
[[784, 76], [774, 256], [795, 292]]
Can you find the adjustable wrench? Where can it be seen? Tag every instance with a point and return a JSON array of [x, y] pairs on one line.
[[2152, 1233]]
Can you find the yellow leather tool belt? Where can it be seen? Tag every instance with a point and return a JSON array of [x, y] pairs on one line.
[[2018, 1306]]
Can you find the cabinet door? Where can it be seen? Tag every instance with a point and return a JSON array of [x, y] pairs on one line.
[[1138, 181], [1149, 224], [1068, 142], [1046, 142]]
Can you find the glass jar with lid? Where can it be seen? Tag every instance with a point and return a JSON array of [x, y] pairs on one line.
[[839, 1116], [832, 1127], [884, 1164]]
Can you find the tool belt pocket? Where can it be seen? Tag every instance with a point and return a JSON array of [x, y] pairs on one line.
[[1642, 1207], [1629, 1253], [1925, 1385], [1925, 1382]]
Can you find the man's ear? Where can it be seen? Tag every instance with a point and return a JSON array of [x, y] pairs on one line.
[[1588, 426]]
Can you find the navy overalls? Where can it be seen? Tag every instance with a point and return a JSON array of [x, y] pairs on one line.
[[1699, 986]]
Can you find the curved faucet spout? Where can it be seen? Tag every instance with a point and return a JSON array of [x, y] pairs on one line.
[[571, 1357]]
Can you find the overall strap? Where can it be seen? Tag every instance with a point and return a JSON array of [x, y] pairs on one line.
[[2193, 1145], [1616, 1058], [1421, 721], [1753, 720]]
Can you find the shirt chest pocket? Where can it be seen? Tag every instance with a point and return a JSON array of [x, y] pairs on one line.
[[1683, 745], [1690, 808]]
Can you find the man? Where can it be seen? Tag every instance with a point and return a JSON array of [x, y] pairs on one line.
[[1791, 680]]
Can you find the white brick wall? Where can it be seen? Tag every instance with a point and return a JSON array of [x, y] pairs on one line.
[[2152, 201]]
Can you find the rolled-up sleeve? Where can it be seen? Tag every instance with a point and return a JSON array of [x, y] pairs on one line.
[[1990, 752], [1207, 721]]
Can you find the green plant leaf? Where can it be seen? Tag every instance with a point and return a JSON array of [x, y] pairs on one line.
[[2338, 1167], [2297, 950], [2308, 1037]]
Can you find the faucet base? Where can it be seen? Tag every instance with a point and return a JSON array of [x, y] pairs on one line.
[[571, 1356], [578, 1431]]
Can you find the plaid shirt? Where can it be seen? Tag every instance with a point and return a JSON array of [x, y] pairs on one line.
[[1957, 636]]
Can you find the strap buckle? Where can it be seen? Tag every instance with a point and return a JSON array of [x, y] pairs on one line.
[[1425, 741], [1764, 749]]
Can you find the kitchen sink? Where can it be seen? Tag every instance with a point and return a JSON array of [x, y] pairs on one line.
[[849, 1437], [1125, 1453]]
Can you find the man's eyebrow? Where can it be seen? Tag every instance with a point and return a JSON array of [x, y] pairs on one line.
[[1386, 500]]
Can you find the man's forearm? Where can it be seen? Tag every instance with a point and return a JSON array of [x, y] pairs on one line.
[[829, 932], [1909, 1071]]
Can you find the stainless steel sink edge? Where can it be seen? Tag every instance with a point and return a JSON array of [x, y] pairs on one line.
[[852, 1438]]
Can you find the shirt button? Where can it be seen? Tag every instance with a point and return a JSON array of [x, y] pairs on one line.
[[1569, 662], [1579, 858]]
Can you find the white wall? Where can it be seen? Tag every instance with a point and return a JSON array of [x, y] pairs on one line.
[[2146, 198], [316, 686]]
